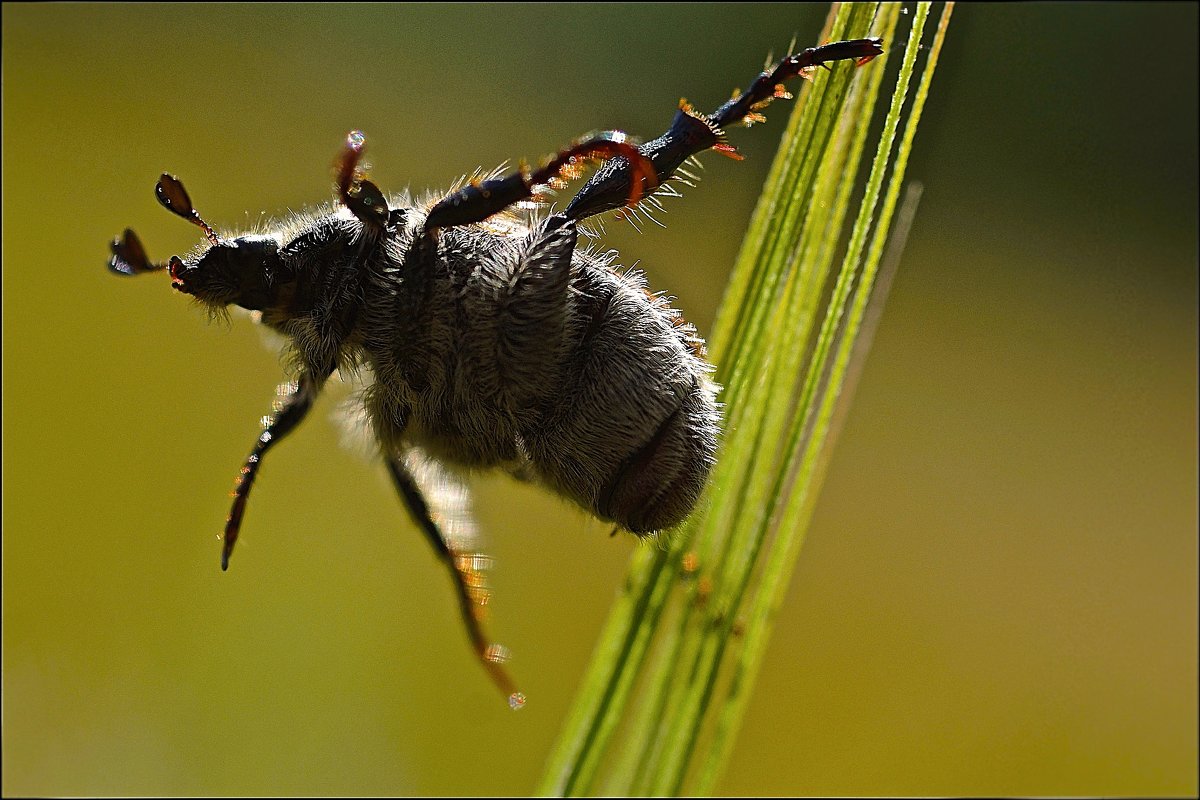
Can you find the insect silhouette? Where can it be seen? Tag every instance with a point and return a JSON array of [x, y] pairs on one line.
[[486, 338]]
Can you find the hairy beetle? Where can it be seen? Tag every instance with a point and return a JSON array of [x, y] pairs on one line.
[[486, 338]]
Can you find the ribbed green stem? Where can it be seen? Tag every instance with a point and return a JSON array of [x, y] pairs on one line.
[[804, 480], [740, 546]]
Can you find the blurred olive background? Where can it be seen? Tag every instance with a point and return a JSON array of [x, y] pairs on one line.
[[998, 594]]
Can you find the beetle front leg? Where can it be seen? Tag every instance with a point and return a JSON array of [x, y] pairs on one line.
[[355, 192], [465, 570], [692, 132], [294, 408]]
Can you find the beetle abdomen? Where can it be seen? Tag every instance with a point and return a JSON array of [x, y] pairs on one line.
[[633, 434], [658, 485]]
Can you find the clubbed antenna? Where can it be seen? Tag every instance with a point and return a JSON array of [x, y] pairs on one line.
[[174, 198], [129, 256]]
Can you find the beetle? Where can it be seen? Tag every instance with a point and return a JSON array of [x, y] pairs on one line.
[[485, 337]]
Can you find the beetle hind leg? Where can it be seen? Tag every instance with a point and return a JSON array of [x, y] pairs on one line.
[[692, 132]]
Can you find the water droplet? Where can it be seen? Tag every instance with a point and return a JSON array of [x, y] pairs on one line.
[[355, 139], [497, 653], [516, 701]]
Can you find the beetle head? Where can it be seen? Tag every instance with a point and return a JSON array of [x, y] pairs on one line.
[[245, 271]]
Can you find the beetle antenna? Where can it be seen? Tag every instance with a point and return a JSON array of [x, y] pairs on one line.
[[174, 198], [129, 256]]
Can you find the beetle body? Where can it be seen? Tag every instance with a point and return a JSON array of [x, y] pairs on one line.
[[493, 345], [489, 340]]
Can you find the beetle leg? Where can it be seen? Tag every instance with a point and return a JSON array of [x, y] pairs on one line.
[[480, 199], [293, 409], [692, 132], [466, 570], [358, 194]]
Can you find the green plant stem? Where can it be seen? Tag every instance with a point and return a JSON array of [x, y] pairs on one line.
[[747, 533], [799, 503]]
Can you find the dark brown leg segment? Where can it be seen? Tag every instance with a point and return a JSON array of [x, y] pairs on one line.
[[468, 579], [295, 408], [479, 200], [692, 132]]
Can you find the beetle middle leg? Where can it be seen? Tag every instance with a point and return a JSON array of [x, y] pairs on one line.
[[464, 570], [479, 200]]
